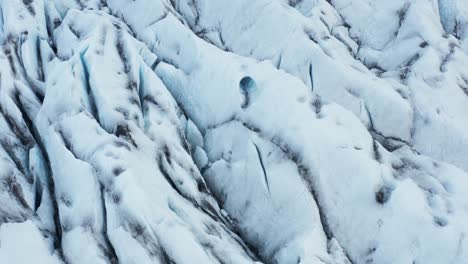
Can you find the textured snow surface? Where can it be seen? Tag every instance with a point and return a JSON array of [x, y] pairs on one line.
[[234, 131]]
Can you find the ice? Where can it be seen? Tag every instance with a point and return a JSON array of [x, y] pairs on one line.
[[379, 46], [276, 131], [448, 12]]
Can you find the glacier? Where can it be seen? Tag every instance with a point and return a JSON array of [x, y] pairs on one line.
[[220, 131]]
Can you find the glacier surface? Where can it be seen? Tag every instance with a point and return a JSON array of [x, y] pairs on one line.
[[221, 131]]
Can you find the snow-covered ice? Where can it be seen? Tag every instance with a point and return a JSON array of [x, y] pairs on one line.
[[202, 131]]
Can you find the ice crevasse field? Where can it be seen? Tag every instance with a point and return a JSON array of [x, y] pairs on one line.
[[233, 131]]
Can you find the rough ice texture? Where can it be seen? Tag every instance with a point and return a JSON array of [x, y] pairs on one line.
[[221, 131]]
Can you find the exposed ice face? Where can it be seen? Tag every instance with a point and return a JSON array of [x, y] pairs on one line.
[[448, 14], [181, 131]]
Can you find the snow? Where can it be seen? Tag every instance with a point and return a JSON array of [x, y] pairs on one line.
[[233, 131], [22, 243]]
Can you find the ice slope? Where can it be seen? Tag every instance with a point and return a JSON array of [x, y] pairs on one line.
[[392, 62], [153, 131]]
